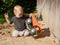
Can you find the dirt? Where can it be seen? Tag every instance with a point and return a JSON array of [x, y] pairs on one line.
[[6, 39]]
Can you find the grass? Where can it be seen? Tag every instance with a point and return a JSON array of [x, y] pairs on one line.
[[2, 19]]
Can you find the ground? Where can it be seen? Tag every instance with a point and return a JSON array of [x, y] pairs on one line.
[[7, 39]]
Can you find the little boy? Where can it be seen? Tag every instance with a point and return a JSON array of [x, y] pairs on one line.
[[19, 22]]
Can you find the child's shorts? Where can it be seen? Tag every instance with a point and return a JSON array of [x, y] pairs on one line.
[[25, 32]]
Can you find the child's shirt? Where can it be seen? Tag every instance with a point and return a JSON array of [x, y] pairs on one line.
[[19, 23]]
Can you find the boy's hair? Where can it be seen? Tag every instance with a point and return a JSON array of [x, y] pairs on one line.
[[18, 6]]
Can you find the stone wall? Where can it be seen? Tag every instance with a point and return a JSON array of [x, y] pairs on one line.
[[51, 15]]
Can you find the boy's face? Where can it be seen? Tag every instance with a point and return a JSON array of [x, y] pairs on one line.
[[18, 12]]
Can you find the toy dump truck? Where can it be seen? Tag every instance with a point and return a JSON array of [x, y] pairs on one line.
[[33, 26]]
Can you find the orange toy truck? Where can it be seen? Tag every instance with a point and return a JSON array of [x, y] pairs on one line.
[[36, 30]]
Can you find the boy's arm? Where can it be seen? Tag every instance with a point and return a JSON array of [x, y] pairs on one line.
[[7, 18], [27, 25], [26, 22]]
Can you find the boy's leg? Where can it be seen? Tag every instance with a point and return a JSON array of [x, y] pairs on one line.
[[15, 33], [21, 33], [26, 32]]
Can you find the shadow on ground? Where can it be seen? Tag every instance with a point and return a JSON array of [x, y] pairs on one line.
[[46, 33]]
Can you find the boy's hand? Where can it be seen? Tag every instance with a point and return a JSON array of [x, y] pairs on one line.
[[6, 15], [7, 18], [30, 14]]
